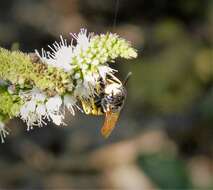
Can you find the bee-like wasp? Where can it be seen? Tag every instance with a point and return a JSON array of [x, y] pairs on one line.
[[108, 100]]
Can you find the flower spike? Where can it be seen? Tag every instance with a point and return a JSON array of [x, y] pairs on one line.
[[39, 87]]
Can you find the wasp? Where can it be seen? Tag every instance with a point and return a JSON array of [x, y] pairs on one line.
[[108, 100]]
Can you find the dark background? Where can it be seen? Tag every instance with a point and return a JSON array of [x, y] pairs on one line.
[[164, 138]]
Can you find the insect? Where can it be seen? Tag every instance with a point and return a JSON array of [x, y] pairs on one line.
[[108, 101]]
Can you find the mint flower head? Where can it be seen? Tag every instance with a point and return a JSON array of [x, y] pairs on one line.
[[41, 87], [88, 60]]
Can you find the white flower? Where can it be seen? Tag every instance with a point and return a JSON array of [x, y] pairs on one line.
[[3, 132], [81, 91], [90, 82], [53, 106], [70, 103], [26, 113], [32, 112], [41, 109], [61, 55], [104, 71], [83, 40], [57, 118], [38, 107], [86, 88]]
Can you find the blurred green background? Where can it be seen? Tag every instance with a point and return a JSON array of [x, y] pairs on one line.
[[164, 138]]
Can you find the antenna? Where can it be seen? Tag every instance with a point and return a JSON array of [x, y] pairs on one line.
[[127, 78]]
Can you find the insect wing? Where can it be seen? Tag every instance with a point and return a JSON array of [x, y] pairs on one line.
[[109, 123]]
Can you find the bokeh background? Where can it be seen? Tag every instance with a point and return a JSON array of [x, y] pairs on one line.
[[164, 138]]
